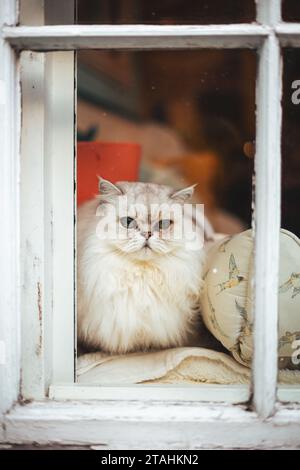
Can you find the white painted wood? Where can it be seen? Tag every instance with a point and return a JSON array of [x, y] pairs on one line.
[[60, 148], [47, 216], [9, 208], [267, 225], [268, 12], [198, 393], [2, 432], [288, 393], [289, 34], [75, 214], [61, 127], [135, 36], [47, 221], [36, 210], [151, 425], [33, 225]]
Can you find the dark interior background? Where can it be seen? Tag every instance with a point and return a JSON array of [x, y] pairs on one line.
[[193, 112], [165, 11]]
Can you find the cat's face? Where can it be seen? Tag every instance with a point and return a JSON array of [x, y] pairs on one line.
[[145, 220]]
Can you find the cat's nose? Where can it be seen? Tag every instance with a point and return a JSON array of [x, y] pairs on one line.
[[147, 235]]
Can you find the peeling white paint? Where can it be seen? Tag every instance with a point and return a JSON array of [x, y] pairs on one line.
[[267, 214], [32, 231], [9, 206], [135, 36], [150, 425], [288, 34]]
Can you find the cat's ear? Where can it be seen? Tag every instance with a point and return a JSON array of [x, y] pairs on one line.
[[183, 194], [106, 188]]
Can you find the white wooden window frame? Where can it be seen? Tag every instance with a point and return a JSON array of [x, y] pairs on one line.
[[130, 417]]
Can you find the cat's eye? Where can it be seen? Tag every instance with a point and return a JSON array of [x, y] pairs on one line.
[[163, 224], [128, 222]]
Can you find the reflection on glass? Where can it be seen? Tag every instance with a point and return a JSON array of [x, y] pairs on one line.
[[291, 10], [291, 142], [193, 112], [289, 272], [192, 116], [165, 11]]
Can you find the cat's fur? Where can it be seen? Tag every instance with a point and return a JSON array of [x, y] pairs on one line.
[[133, 297]]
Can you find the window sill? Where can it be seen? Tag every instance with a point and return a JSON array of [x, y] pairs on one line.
[[149, 425]]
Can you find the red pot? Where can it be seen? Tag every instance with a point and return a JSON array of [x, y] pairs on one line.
[[115, 161]]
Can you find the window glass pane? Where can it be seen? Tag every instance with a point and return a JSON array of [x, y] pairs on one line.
[[165, 11], [136, 11], [289, 273], [47, 12], [191, 116], [291, 10]]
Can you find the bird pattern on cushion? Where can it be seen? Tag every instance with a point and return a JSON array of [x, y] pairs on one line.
[[293, 283], [235, 277]]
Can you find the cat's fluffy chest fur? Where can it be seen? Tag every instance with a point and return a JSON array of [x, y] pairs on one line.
[[140, 307], [127, 305]]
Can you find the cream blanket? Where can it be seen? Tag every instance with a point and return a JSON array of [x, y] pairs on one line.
[[173, 366]]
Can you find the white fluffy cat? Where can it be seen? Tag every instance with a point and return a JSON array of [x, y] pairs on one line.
[[140, 289]]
